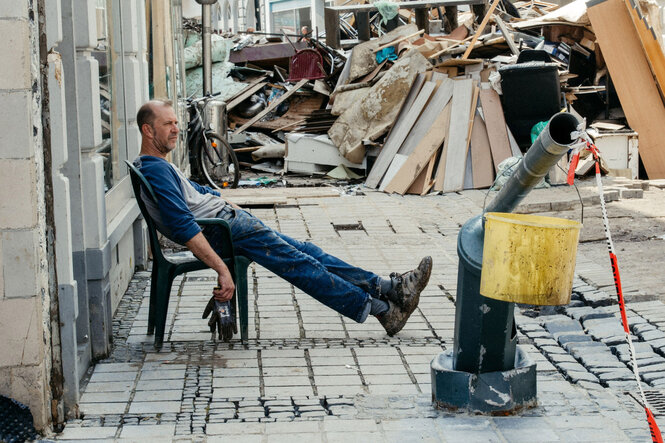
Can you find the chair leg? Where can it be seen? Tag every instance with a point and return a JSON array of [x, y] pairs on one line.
[[241, 288], [162, 307], [154, 278]]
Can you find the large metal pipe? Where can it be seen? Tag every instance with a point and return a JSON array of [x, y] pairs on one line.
[[552, 143], [484, 328], [207, 50]]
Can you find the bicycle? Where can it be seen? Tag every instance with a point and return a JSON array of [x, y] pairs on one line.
[[211, 153]]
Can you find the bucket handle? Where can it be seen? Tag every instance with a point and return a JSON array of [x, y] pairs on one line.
[[511, 168]]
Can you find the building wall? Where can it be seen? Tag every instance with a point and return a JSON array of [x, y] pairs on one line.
[[24, 296]]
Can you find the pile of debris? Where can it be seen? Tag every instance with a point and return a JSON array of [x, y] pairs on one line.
[[416, 111]]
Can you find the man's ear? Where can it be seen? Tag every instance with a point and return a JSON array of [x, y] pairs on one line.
[[146, 130]]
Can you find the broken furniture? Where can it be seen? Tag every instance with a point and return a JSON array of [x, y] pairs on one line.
[[486, 371], [421, 9], [314, 155], [166, 267]]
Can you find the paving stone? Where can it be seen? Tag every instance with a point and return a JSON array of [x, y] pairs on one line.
[[653, 335], [573, 338], [577, 376], [615, 376], [561, 325]]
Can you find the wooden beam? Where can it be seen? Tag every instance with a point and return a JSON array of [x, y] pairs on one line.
[[272, 106], [507, 35], [481, 28]]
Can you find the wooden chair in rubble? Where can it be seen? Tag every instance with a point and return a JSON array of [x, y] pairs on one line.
[[166, 267]]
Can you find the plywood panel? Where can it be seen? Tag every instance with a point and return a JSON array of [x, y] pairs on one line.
[[632, 79]]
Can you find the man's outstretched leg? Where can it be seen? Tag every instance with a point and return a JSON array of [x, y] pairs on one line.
[[355, 295]]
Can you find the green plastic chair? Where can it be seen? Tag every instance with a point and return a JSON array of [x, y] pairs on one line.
[[166, 267]]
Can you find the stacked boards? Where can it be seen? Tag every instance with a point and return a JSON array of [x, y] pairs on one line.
[[450, 135]]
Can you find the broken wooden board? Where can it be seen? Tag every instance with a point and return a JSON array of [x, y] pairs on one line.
[[250, 90], [272, 106], [424, 182], [450, 174], [632, 78], [422, 154], [372, 116], [299, 108], [397, 135], [481, 155], [496, 126]]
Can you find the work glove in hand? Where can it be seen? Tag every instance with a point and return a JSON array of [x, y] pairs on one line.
[[223, 318]]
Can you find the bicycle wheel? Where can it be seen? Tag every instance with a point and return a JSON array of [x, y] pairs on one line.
[[218, 162]]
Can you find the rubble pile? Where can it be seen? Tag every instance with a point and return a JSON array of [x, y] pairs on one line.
[[444, 108]]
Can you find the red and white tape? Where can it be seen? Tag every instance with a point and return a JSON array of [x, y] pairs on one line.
[[586, 142]]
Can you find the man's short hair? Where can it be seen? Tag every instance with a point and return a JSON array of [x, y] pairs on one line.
[[146, 114]]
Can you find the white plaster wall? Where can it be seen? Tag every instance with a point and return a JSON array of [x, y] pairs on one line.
[[24, 299]]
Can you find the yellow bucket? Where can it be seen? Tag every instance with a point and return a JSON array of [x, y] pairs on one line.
[[528, 258]]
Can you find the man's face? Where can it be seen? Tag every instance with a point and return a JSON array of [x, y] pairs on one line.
[[164, 129]]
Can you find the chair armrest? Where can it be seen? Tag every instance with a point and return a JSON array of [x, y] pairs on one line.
[[225, 231], [212, 221]]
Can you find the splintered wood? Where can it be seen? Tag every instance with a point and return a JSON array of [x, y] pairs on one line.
[[442, 139]]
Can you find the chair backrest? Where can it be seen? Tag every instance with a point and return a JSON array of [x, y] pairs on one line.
[[138, 181]]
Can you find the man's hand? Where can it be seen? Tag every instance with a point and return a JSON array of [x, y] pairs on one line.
[[225, 288]]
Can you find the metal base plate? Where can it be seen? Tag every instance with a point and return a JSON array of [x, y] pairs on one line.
[[497, 392]]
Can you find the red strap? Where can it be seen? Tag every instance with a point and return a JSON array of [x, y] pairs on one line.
[[653, 427], [571, 169]]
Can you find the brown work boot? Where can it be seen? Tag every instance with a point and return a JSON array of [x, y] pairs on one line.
[[394, 320], [410, 284]]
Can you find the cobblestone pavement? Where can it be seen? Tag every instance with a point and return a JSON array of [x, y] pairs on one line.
[[307, 374]]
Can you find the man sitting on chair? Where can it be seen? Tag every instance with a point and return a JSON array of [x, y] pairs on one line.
[[351, 291]]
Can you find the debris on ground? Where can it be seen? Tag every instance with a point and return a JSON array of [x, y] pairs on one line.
[[433, 100]]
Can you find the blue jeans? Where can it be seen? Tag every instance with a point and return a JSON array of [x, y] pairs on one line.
[[338, 285]]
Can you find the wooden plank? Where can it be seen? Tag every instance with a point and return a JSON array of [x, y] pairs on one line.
[[452, 177], [481, 155], [422, 154], [632, 79], [514, 147], [397, 136], [496, 126], [480, 29], [437, 103], [246, 93], [158, 48], [395, 166], [272, 106]]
